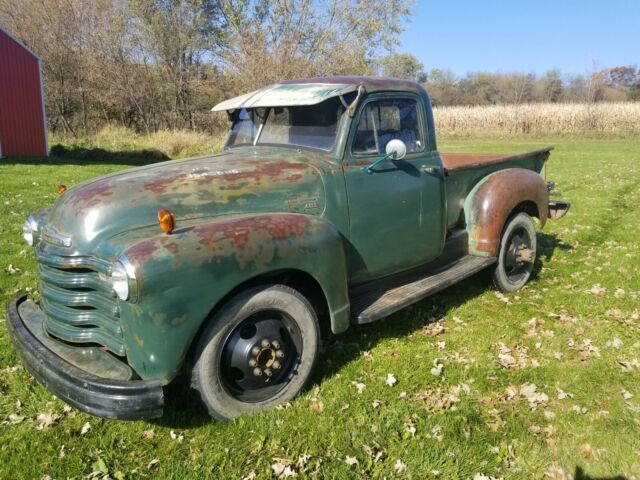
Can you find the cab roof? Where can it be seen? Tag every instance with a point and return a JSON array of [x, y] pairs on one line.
[[311, 91]]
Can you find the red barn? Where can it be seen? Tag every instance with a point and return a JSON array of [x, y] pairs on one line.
[[23, 128]]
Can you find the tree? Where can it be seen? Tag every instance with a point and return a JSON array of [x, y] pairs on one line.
[[273, 40], [550, 86], [403, 65]]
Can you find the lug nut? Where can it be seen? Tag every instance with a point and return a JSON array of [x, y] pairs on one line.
[[279, 354], [275, 344], [255, 350], [257, 372], [253, 363], [268, 372], [265, 343], [276, 365]]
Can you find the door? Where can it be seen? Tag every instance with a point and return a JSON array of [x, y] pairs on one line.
[[395, 212]]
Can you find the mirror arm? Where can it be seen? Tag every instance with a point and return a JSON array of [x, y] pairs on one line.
[[370, 168]]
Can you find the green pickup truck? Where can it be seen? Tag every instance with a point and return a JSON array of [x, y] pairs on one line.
[[330, 205]]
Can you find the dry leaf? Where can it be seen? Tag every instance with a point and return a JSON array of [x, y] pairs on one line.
[[153, 463], [597, 290], [502, 297], [148, 434], [350, 460], [85, 428], [46, 420], [391, 379], [399, 466], [586, 451], [359, 386]]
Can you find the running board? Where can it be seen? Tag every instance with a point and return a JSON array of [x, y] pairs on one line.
[[373, 304]]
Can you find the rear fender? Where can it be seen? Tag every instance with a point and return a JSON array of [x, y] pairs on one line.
[[494, 198], [184, 275]]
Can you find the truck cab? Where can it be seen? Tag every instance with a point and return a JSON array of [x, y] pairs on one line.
[[330, 204]]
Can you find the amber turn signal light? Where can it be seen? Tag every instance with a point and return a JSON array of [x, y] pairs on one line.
[[167, 220], [60, 189]]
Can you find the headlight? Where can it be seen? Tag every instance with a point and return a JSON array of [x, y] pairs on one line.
[[123, 280], [30, 231]]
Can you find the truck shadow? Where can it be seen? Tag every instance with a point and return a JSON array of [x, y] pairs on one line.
[[61, 155], [581, 475], [184, 412]]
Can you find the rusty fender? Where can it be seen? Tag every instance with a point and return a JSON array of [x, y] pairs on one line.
[[183, 276], [494, 198]]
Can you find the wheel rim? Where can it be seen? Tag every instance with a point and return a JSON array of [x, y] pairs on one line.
[[518, 256], [260, 356]]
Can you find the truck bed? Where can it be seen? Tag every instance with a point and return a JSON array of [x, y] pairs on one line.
[[459, 161], [464, 170]]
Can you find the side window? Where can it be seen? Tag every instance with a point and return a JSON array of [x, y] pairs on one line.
[[385, 120]]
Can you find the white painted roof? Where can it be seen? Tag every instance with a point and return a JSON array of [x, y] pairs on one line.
[[288, 94]]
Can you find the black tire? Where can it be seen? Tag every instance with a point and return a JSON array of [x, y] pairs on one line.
[[519, 235], [271, 328]]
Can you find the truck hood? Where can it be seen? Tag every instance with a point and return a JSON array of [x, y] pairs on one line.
[[240, 181]]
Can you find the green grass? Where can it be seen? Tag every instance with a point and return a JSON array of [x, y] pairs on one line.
[[480, 429]]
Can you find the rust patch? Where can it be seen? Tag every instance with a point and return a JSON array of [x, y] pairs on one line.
[[495, 199], [90, 195]]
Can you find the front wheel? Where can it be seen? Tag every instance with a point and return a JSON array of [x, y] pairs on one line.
[[517, 254], [257, 351]]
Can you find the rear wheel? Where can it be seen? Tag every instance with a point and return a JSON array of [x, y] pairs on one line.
[[258, 351], [517, 254]]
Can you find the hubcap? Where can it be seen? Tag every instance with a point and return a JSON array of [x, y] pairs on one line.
[[260, 356]]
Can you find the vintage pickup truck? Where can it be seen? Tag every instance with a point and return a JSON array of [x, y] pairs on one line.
[[330, 205]]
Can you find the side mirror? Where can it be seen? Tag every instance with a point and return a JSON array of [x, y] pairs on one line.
[[396, 149]]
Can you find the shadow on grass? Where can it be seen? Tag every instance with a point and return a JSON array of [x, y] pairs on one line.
[[185, 411], [580, 475], [61, 155]]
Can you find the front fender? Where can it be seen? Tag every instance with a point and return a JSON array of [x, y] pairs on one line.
[[183, 276], [491, 201]]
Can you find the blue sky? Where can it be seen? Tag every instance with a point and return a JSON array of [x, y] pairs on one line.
[[524, 35]]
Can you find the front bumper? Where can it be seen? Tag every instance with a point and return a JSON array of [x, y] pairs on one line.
[[96, 395]]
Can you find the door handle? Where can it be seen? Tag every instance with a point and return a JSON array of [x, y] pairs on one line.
[[430, 169]]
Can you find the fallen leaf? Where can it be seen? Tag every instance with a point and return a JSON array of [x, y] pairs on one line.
[[46, 420], [597, 290], [85, 428], [14, 418], [586, 451], [502, 297], [179, 437], [351, 460], [399, 466], [359, 386], [391, 379], [148, 434], [437, 368], [557, 473], [562, 394], [615, 343], [153, 463], [433, 329]]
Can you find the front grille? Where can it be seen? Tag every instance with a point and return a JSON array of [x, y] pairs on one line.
[[78, 302]]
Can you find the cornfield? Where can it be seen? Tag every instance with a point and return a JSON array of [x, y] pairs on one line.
[[539, 118]]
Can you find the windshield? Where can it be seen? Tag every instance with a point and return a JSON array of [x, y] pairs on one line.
[[313, 126]]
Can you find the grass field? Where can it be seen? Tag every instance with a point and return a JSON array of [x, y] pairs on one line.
[[544, 383]]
